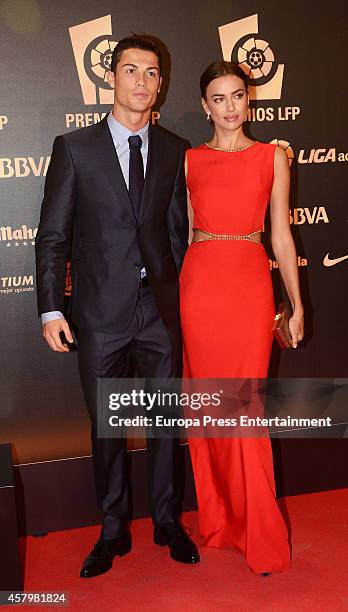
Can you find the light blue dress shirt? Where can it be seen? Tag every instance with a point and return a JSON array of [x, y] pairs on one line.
[[120, 135]]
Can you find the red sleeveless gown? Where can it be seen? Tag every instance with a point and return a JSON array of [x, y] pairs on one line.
[[227, 310]]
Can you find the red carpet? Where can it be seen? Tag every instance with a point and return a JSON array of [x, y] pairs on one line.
[[148, 580]]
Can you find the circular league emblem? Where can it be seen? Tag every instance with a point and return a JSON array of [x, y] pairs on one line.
[[97, 60], [284, 144], [256, 58]]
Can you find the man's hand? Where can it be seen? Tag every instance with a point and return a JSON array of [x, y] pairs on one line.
[[51, 331]]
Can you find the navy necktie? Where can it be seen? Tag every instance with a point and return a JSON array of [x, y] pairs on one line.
[[136, 172]]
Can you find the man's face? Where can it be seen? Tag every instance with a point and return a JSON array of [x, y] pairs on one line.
[[136, 80]]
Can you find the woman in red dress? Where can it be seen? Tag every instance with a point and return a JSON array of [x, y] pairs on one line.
[[227, 311]]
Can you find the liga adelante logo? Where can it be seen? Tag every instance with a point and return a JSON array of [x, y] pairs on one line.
[[321, 156], [311, 156]]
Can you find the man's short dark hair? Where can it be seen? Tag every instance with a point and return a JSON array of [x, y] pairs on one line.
[[135, 41]]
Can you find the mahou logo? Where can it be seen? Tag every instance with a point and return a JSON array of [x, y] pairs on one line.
[[241, 42], [93, 45], [17, 236], [18, 233]]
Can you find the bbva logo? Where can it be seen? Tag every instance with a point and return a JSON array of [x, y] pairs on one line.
[[22, 167]]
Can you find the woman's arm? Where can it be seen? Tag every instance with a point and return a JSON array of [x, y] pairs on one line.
[[189, 207], [282, 242]]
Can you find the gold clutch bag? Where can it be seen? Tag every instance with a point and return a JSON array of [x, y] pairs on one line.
[[280, 329]]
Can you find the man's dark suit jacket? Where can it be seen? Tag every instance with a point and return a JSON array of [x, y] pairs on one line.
[[87, 216]]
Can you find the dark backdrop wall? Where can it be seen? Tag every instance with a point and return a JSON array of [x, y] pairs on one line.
[[53, 61]]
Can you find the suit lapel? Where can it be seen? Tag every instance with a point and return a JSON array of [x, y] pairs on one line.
[[103, 145], [153, 169]]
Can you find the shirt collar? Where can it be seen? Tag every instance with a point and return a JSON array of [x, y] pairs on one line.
[[120, 133]]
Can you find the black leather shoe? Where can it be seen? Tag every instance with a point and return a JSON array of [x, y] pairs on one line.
[[181, 547], [100, 558]]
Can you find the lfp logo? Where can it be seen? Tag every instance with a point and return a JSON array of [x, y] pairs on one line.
[[284, 144], [93, 45], [241, 43]]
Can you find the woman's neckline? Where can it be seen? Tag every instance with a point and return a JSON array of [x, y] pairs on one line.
[[239, 150]]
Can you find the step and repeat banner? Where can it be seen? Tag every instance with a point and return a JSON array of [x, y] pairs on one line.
[[54, 58]]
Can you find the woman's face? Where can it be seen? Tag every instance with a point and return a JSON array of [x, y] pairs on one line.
[[227, 102]]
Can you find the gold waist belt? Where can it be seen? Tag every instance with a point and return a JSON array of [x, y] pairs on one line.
[[202, 236]]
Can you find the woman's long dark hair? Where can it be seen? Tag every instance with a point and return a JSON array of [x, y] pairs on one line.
[[220, 69]]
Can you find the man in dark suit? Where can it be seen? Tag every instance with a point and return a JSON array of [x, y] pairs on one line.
[[115, 199]]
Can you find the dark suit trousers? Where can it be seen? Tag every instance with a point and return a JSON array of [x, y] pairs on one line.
[[147, 345]]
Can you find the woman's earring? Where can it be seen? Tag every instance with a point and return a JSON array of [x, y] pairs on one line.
[[208, 116]]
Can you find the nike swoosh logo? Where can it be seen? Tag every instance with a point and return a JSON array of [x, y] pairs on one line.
[[332, 262]]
